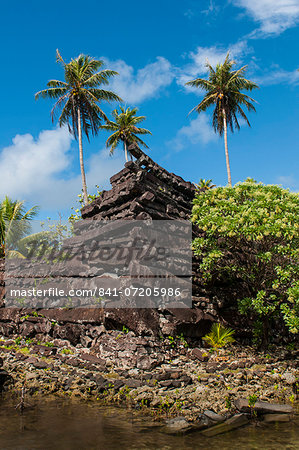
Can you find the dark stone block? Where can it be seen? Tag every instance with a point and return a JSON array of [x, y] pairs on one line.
[[199, 354]]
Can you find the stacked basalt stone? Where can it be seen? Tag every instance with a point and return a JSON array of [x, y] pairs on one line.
[[143, 190]]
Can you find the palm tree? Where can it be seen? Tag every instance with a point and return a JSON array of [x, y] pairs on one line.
[[223, 89], [78, 99], [124, 129], [219, 336], [204, 185], [14, 223]]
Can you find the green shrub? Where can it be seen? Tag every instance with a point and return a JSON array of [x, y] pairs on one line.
[[250, 238]]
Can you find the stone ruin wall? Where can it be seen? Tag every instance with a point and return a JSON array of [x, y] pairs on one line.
[[141, 190]]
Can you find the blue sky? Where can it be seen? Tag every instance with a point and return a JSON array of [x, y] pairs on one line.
[[156, 46]]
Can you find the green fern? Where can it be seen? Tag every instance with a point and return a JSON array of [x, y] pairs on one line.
[[219, 336]]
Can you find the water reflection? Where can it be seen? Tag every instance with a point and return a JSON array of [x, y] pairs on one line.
[[65, 425]]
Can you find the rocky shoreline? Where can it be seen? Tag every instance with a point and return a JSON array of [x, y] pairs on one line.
[[188, 387]]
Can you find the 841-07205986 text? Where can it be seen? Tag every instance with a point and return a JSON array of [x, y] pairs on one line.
[[102, 292]]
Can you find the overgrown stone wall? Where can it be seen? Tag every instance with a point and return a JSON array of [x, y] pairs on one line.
[[142, 190]]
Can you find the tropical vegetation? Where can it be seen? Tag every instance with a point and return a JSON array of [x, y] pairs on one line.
[[15, 225], [125, 129], [219, 336], [250, 239], [223, 91], [204, 185], [78, 98]]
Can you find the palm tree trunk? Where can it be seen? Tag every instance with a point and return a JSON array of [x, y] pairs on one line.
[[126, 151], [226, 149], [84, 187]]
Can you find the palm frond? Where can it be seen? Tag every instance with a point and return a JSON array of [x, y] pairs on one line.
[[124, 128], [54, 92], [224, 88]]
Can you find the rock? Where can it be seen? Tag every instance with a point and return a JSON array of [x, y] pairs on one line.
[[143, 321], [100, 382], [70, 332], [270, 418], [203, 422], [40, 365], [116, 384], [27, 329], [214, 416], [189, 322], [97, 331], [177, 425], [289, 378], [146, 363], [163, 376], [199, 354], [132, 383], [262, 407], [44, 350], [212, 367], [93, 359], [4, 378], [237, 421], [20, 356], [186, 379], [86, 341], [31, 360]]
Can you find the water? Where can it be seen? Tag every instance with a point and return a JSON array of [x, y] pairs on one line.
[[65, 425]]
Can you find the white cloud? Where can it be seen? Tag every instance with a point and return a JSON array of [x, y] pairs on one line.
[[288, 181], [135, 87], [210, 8], [35, 170], [274, 16], [214, 55], [198, 131], [278, 76], [197, 67]]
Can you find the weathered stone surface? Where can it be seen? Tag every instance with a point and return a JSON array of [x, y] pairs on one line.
[[142, 190], [200, 354], [70, 332], [142, 321], [262, 407], [134, 192], [40, 365], [177, 425], [237, 421], [272, 418], [44, 350], [27, 329], [214, 416], [31, 360], [289, 377], [93, 359], [132, 383], [204, 422], [146, 363]]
